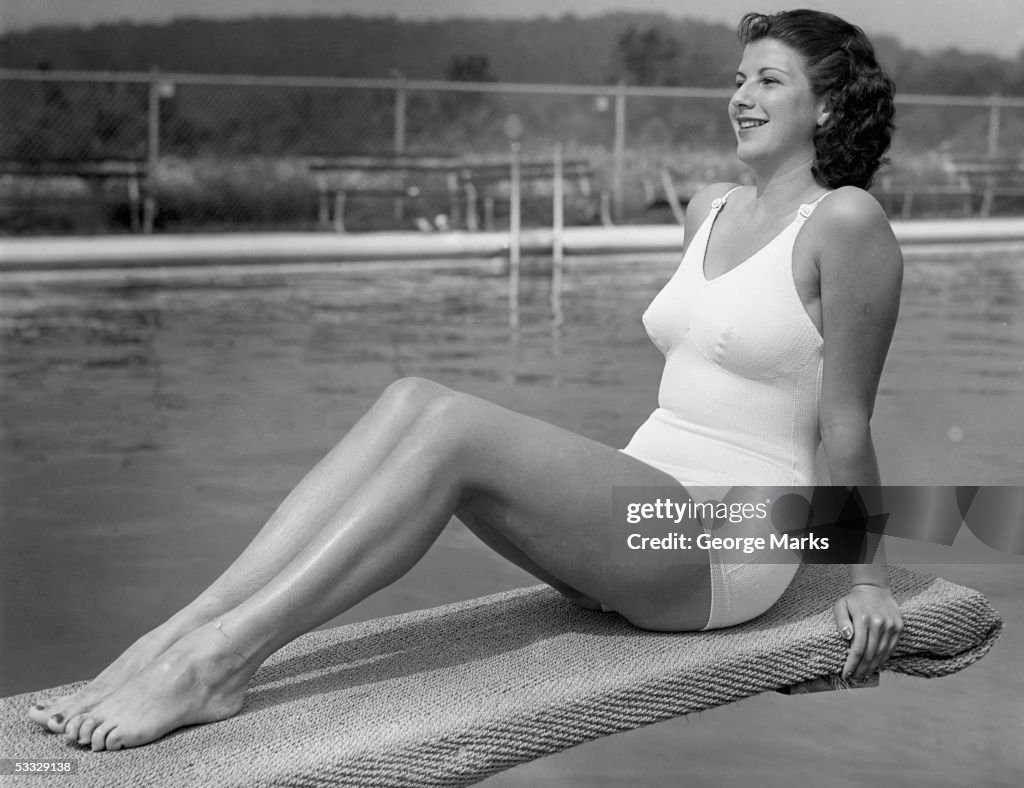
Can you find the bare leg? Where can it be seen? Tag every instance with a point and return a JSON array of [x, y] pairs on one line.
[[544, 490], [295, 522]]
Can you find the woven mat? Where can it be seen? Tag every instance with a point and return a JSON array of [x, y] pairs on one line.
[[451, 695]]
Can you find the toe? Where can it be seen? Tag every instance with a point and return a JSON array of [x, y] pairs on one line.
[[101, 737], [111, 738], [40, 712], [56, 723], [72, 726], [86, 731]]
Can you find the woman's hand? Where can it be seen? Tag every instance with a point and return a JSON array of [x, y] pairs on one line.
[[870, 619]]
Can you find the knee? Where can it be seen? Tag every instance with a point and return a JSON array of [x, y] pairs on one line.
[[412, 394], [445, 424], [446, 412]]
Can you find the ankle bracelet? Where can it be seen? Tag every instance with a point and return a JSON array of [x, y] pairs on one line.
[[218, 625]]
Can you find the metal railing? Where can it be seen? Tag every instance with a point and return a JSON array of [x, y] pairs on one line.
[[230, 151]]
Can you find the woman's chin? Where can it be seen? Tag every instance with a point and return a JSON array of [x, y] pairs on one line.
[[747, 153]]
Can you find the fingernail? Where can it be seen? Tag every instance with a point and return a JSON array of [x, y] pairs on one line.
[[847, 632]]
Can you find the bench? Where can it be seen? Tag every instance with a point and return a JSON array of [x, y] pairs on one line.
[[456, 183], [134, 173], [899, 191], [963, 178], [992, 176], [397, 176], [492, 180]]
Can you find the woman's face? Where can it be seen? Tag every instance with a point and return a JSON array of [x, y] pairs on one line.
[[774, 113]]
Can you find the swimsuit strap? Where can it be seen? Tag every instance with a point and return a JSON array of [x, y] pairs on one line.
[[805, 211], [718, 202]]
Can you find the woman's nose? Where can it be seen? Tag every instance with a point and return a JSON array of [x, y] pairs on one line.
[[740, 99]]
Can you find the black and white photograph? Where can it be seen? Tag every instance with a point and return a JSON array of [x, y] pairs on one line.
[[577, 393]]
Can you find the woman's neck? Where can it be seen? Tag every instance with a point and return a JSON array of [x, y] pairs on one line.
[[783, 189]]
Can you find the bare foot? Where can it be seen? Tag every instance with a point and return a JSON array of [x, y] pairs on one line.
[[53, 713], [199, 679]]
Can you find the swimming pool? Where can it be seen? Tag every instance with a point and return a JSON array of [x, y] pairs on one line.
[[150, 425]]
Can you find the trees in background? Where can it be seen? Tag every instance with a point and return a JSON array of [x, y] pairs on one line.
[[648, 56], [94, 120]]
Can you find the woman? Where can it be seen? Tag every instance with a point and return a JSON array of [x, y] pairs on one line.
[[775, 329]]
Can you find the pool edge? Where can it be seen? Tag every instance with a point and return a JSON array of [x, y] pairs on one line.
[[86, 252]]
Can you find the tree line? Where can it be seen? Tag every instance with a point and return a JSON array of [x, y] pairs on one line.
[[46, 121], [650, 49]]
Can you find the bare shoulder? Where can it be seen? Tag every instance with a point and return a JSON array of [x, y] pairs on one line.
[[702, 200], [851, 223], [850, 210], [700, 204]]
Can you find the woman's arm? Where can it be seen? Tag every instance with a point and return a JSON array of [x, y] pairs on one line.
[[861, 272]]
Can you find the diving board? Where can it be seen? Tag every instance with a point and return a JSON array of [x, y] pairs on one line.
[[448, 696]]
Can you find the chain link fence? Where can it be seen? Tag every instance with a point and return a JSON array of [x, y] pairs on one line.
[[122, 152]]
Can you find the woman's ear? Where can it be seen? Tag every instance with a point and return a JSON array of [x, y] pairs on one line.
[[824, 103]]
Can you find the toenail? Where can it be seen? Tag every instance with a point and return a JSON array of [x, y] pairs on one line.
[[40, 707], [58, 718]]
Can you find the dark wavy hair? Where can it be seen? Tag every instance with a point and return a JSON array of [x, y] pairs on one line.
[[850, 145]]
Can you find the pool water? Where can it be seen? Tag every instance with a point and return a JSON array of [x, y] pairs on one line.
[[150, 424]]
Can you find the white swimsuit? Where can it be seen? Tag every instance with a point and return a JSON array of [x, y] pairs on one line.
[[739, 395]]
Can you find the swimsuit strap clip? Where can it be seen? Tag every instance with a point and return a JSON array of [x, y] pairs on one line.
[[807, 208], [718, 202]]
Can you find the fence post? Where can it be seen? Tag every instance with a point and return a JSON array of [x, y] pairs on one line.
[[152, 149], [400, 97], [557, 239], [557, 209], [994, 117], [153, 146], [514, 228], [619, 149], [399, 143]]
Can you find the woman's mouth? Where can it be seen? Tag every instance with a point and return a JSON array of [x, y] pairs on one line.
[[750, 123]]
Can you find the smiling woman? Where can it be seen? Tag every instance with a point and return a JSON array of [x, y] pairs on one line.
[[852, 97], [775, 328], [777, 322], [775, 110]]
